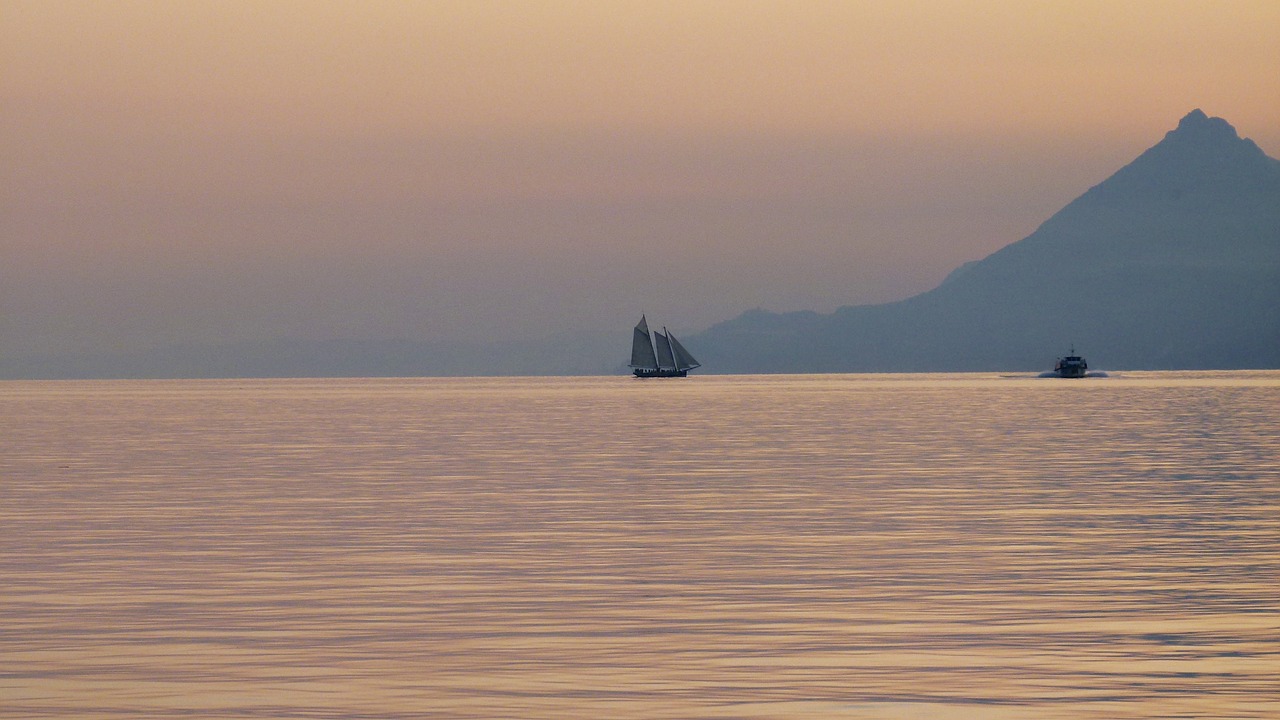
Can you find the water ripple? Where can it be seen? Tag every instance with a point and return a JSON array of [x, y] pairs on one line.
[[959, 546]]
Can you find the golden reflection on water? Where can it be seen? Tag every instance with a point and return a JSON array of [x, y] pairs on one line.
[[937, 546]]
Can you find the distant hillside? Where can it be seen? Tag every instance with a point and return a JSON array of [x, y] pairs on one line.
[[1172, 262]]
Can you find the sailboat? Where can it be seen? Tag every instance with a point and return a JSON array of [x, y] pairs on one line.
[[658, 355]]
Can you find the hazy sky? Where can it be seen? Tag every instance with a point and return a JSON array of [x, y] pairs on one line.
[[218, 171]]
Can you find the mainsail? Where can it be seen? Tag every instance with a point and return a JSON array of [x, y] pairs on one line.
[[666, 360], [642, 355]]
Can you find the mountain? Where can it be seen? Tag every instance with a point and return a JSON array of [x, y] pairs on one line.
[[1171, 263]]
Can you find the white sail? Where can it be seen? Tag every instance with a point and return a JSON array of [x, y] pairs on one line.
[[684, 360], [642, 355], [666, 360]]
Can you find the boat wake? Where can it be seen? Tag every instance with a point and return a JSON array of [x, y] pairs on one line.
[[1090, 374]]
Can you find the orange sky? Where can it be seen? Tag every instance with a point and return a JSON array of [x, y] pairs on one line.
[[811, 67], [213, 171]]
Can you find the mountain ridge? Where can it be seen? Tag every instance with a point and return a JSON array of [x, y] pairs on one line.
[[1171, 262]]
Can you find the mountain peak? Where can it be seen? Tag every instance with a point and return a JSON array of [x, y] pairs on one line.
[[1202, 152], [1196, 126]]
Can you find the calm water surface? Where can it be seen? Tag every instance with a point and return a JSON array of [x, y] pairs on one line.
[[912, 546]]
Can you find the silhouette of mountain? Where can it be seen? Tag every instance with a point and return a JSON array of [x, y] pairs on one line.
[[1172, 262]]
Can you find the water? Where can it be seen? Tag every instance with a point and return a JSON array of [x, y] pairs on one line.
[[913, 546]]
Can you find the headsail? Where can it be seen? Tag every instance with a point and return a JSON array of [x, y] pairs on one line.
[[666, 360], [684, 361], [642, 355]]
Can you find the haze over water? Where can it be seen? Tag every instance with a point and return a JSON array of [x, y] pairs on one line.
[[887, 546]]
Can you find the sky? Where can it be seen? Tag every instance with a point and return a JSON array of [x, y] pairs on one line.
[[467, 171]]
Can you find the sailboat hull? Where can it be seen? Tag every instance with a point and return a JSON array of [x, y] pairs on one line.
[[659, 372]]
